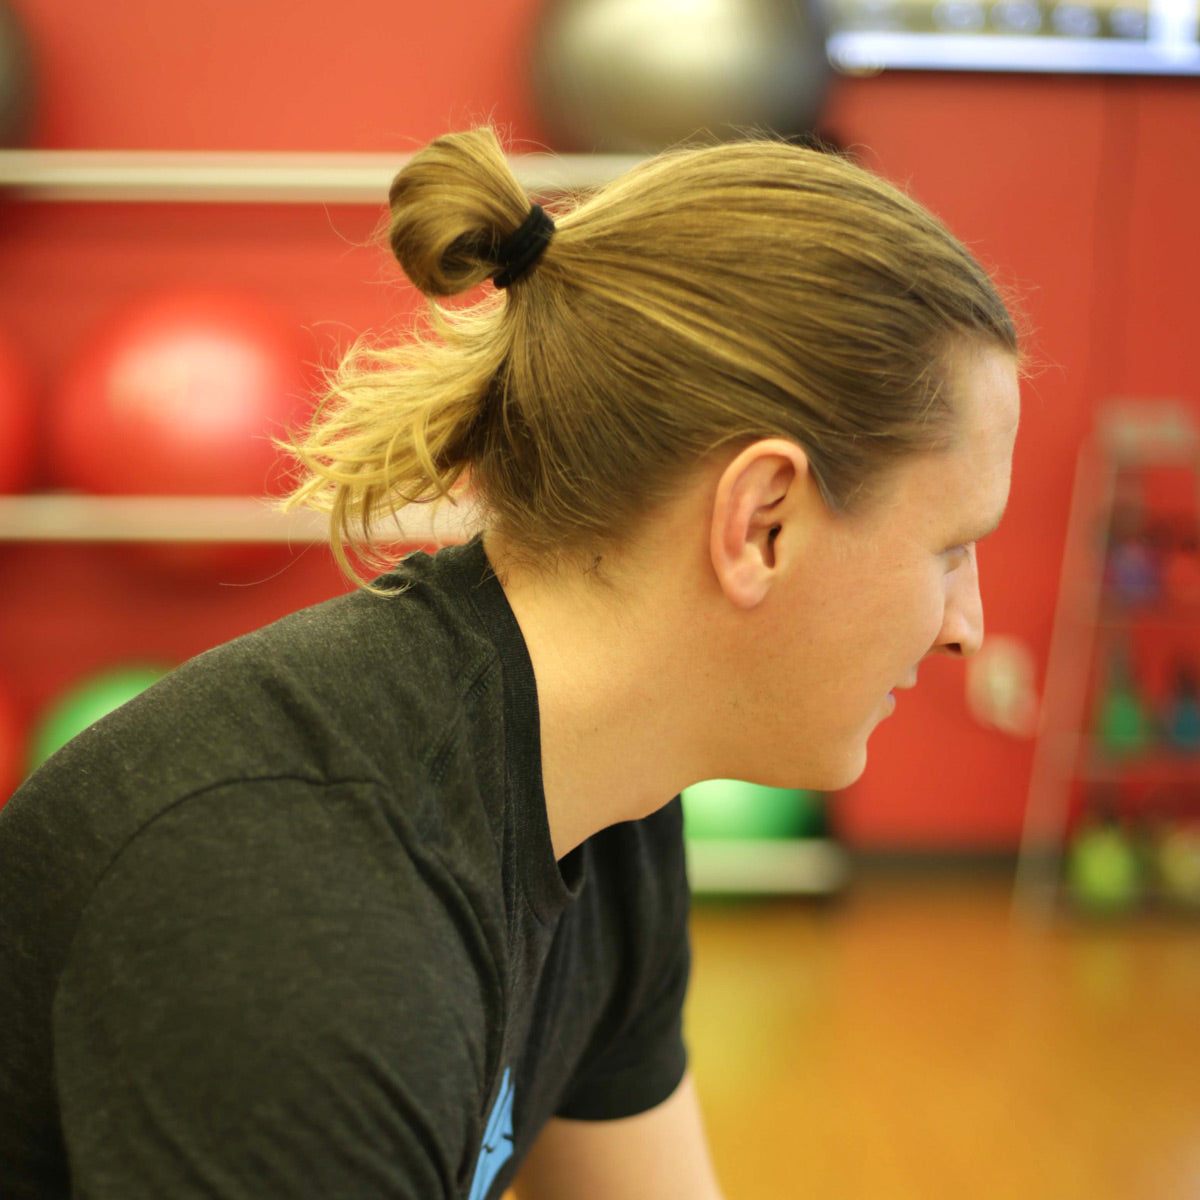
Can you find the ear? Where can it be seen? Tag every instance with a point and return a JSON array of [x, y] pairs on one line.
[[757, 497]]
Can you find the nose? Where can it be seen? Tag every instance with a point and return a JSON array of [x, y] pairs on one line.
[[961, 634]]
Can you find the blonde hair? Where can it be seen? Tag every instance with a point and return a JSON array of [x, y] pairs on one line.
[[711, 296]]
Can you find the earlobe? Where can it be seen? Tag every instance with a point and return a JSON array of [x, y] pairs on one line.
[[751, 498]]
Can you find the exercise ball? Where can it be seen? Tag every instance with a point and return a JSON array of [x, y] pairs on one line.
[[728, 809], [635, 76], [1178, 863], [1104, 870], [180, 394], [17, 90], [18, 419], [84, 703]]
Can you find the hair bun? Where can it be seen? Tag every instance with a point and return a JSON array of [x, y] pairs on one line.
[[451, 206]]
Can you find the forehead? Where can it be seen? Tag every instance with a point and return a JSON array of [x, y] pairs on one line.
[[966, 485]]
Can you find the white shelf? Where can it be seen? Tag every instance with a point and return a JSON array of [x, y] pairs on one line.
[[268, 178], [795, 866], [79, 518]]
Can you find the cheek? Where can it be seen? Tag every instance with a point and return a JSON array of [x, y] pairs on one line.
[[932, 615], [915, 615]]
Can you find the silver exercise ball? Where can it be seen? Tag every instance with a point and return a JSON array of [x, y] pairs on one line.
[[636, 76], [17, 83]]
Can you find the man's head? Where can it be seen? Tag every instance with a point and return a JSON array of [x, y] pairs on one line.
[[822, 614]]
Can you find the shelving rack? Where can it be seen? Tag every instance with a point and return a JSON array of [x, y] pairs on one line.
[[1128, 437]]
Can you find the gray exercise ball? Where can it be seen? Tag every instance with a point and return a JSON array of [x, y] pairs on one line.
[[16, 81], [636, 76]]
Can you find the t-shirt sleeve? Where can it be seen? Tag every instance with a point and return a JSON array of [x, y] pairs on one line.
[[642, 1062], [267, 997]]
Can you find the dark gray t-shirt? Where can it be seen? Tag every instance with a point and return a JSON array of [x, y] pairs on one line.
[[290, 924]]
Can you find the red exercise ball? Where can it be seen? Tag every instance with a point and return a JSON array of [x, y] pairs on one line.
[[180, 394], [18, 419]]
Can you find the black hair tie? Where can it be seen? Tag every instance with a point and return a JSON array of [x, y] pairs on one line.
[[523, 247]]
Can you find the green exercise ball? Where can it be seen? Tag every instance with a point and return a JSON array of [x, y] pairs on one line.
[[727, 809], [85, 703], [1103, 870]]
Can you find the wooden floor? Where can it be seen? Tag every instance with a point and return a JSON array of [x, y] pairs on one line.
[[913, 1042]]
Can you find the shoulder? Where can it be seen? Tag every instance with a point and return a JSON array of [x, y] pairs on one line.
[[358, 687], [331, 720]]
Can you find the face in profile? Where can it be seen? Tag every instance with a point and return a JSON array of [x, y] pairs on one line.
[[868, 598]]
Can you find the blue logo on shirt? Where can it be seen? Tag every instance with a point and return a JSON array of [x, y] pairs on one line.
[[497, 1145]]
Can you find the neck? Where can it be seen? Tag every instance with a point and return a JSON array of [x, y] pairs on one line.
[[613, 677]]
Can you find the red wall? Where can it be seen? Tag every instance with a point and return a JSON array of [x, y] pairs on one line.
[[1081, 192]]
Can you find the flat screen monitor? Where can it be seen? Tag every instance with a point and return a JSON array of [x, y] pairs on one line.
[[1121, 37]]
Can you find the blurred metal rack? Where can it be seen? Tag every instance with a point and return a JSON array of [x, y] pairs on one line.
[[1128, 436], [260, 178]]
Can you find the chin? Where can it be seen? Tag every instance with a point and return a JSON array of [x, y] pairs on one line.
[[827, 776], [835, 776]]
